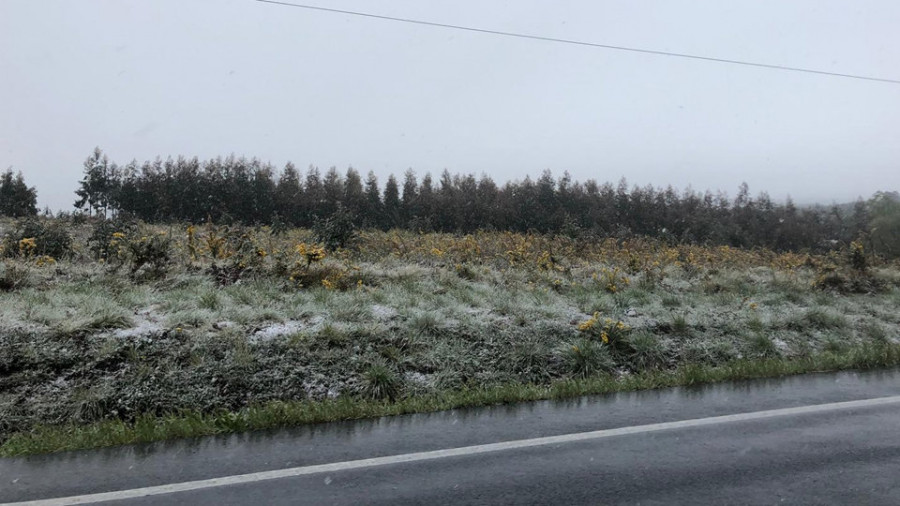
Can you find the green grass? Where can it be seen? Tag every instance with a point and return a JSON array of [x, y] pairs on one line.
[[586, 358], [380, 382], [188, 423], [680, 326]]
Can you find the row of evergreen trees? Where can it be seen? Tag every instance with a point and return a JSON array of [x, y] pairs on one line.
[[16, 198], [250, 191]]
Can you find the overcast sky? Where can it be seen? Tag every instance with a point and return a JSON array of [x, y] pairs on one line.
[[145, 78]]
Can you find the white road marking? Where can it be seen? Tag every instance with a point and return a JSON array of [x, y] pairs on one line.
[[452, 452]]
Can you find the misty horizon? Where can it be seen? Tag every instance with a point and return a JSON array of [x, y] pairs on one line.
[[726, 193], [327, 89]]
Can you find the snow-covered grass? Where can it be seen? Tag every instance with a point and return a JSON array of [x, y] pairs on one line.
[[83, 343]]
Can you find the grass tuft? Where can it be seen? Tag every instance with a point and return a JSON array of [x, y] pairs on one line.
[[585, 358], [647, 350], [760, 345], [380, 382], [680, 326]]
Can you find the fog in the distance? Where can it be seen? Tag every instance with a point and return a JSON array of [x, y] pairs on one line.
[[209, 78]]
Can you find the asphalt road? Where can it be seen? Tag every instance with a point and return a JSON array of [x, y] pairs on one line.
[[790, 441]]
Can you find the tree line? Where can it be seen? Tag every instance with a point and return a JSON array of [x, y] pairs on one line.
[[17, 199], [237, 189]]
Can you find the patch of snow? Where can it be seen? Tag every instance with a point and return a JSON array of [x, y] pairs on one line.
[[287, 328], [417, 378], [143, 328], [381, 312], [60, 383], [146, 323], [277, 330]]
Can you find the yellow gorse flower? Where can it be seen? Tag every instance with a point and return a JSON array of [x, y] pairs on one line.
[[606, 329], [310, 252], [43, 260], [27, 246]]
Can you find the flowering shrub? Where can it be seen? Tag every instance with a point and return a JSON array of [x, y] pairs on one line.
[[44, 260], [857, 257], [609, 331], [331, 277], [612, 280], [27, 247], [546, 262], [38, 237], [106, 241], [518, 254], [149, 255], [310, 253], [192, 245], [215, 242]]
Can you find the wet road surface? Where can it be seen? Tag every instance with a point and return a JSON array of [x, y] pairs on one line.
[[836, 454]]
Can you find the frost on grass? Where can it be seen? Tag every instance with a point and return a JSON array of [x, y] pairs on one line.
[[383, 313], [404, 316], [145, 322], [287, 328]]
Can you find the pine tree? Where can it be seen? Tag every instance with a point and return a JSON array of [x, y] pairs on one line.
[[354, 198], [16, 198], [333, 191], [313, 196], [288, 195], [391, 204], [373, 208], [409, 203], [98, 186]]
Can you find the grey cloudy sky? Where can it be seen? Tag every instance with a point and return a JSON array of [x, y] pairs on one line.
[[206, 78]]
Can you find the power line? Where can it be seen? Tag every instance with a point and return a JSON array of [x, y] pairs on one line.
[[581, 43]]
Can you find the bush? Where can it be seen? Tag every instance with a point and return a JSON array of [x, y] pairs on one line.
[[607, 330], [336, 231], [238, 246], [855, 277], [104, 241], [149, 256], [849, 283], [885, 225], [856, 257], [50, 239], [13, 277]]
